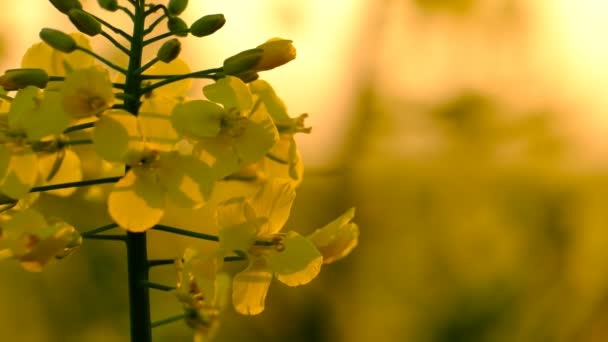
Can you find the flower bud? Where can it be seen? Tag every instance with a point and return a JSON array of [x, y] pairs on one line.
[[64, 6], [277, 52], [248, 76], [169, 50], [84, 22], [207, 25], [58, 40], [110, 5], [176, 7], [242, 62], [176, 24], [16, 79]]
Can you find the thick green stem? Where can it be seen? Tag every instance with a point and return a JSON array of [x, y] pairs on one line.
[[137, 253], [75, 184]]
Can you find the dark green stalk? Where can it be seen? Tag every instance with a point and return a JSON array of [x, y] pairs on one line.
[[103, 60], [151, 285], [184, 232], [75, 184], [112, 27], [165, 35], [137, 247], [128, 12], [79, 127], [99, 229], [116, 43], [174, 78], [169, 320], [106, 237], [160, 262]]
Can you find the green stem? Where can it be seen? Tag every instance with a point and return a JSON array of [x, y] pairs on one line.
[[155, 23], [174, 78], [115, 42], [160, 262], [165, 35], [112, 27], [196, 74], [137, 246], [79, 127], [103, 60], [184, 232], [276, 159], [128, 12], [234, 258], [169, 320], [151, 285], [75, 184], [147, 65], [76, 142], [99, 229]]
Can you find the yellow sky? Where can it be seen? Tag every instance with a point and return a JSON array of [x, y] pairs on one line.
[[560, 55]]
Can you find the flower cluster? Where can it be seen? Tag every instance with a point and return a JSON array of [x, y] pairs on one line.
[[164, 150]]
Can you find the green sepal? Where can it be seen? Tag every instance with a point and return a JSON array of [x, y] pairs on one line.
[[207, 25], [176, 24], [15, 79], [58, 40], [242, 62], [169, 50], [110, 5], [84, 22], [176, 7], [64, 6]]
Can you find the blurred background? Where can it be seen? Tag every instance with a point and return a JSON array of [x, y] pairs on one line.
[[469, 134]]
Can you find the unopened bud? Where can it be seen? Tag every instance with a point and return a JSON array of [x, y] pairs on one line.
[[242, 62], [176, 7], [16, 79], [207, 25], [177, 26], [110, 5], [169, 50], [277, 52], [58, 40], [84, 22], [64, 6], [248, 76]]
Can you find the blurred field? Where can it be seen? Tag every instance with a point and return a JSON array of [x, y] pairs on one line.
[[471, 137]]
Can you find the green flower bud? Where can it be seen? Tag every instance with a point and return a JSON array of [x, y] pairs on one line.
[[242, 62], [176, 7], [58, 40], [110, 5], [64, 6], [207, 25], [176, 24], [277, 52], [248, 76], [15, 79], [84, 22], [169, 50]]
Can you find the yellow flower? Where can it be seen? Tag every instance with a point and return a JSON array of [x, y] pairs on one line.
[[87, 92], [202, 291], [27, 237], [55, 62], [161, 170], [338, 238], [252, 226], [228, 136]]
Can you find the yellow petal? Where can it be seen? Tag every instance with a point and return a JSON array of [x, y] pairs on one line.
[[48, 119], [186, 180], [157, 130], [257, 138], [57, 63], [137, 201], [297, 263], [338, 238], [197, 119], [264, 92], [25, 101], [21, 170], [87, 92], [249, 288], [231, 92], [117, 137], [273, 201], [175, 67], [69, 170], [219, 154]]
